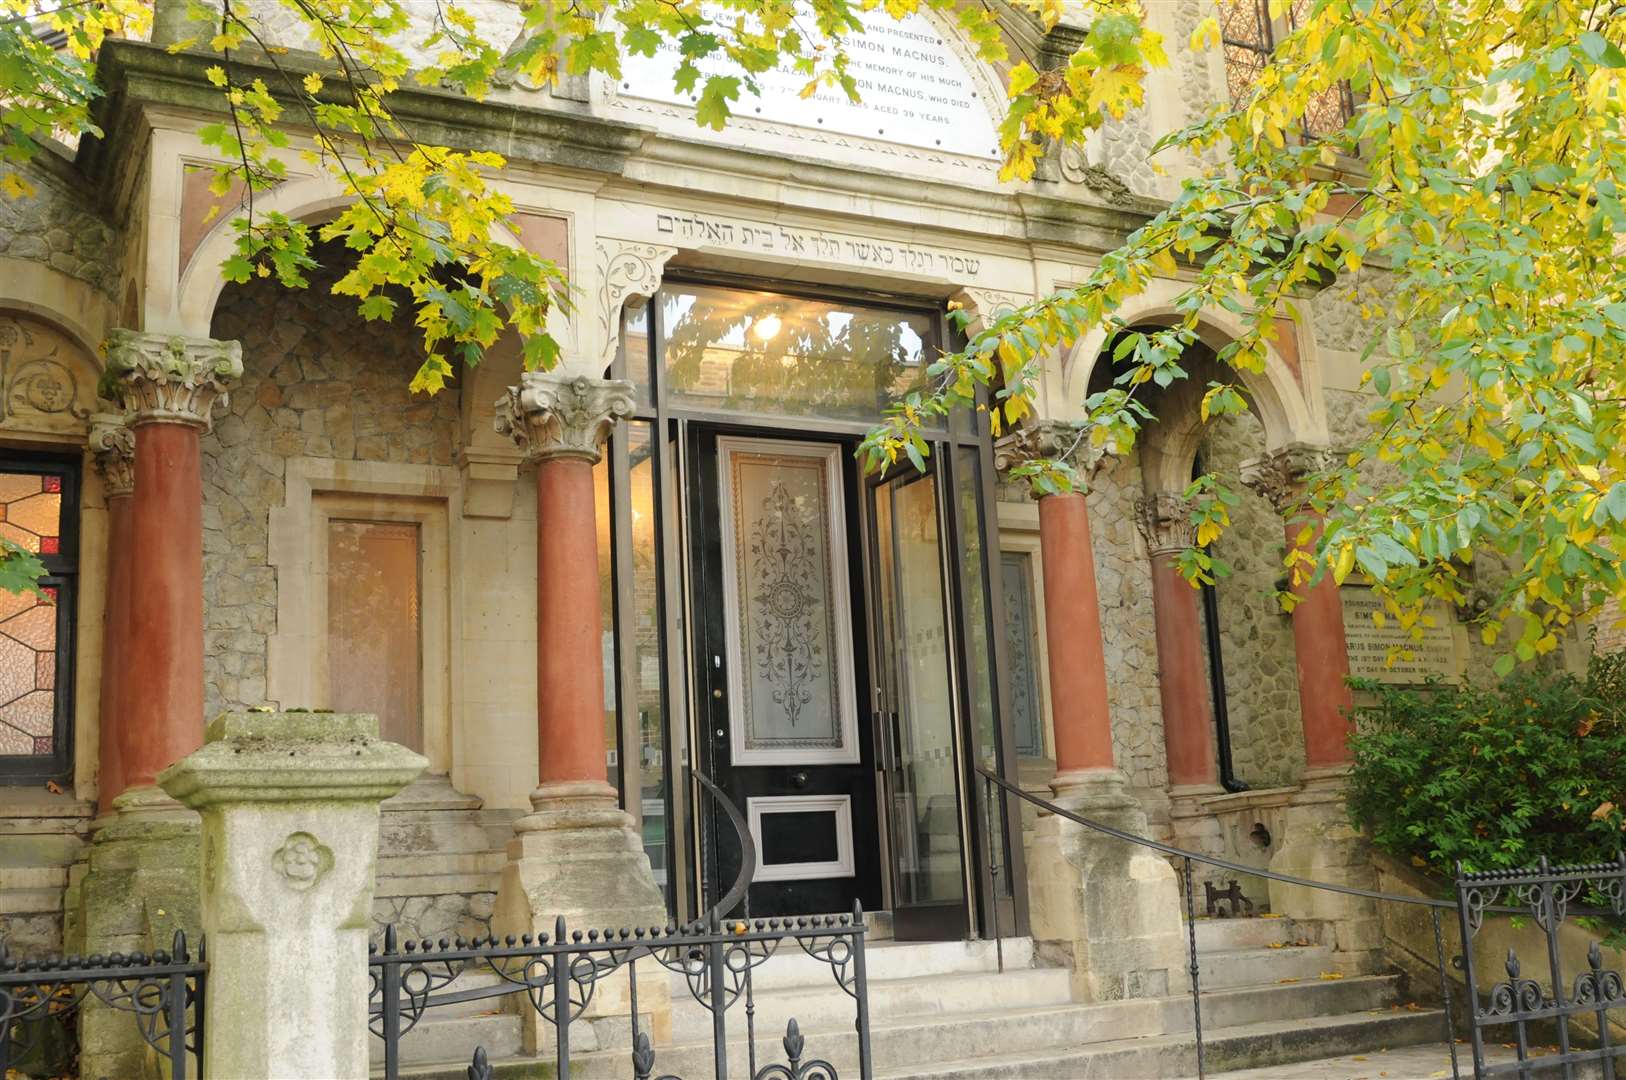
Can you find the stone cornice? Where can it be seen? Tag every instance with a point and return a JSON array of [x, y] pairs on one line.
[[559, 416], [1279, 475], [168, 378], [1165, 522], [112, 441], [138, 76], [1053, 440]]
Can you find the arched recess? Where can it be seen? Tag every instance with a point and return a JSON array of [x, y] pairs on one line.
[[310, 199], [1276, 395], [73, 306]]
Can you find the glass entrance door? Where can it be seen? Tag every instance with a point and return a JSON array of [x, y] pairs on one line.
[[916, 710]]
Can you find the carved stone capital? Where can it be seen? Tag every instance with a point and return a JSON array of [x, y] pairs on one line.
[[112, 441], [625, 269], [168, 378], [1165, 522], [1053, 440], [1280, 475], [562, 416]]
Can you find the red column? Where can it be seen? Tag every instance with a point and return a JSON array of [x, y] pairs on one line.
[[569, 664], [1181, 680], [1078, 665], [1322, 656], [163, 720], [1318, 617]]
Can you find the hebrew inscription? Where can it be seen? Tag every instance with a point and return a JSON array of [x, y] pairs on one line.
[[760, 236]]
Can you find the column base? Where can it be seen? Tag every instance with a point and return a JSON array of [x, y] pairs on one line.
[[140, 886], [1107, 908], [578, 855], [1321, 844]]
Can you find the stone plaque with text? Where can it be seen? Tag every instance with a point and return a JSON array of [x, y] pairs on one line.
[[915, 89], [1388, 653]]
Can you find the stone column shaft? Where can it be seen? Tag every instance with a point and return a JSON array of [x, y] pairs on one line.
[[1322, 656], [569, 627], [1182, 682], [1078, 664]]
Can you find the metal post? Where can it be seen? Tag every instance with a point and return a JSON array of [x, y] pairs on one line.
[[199, 996], [561, 999], [391, 1006], [175, 1004], [1445, 991], [866, 1066], [1549, 919], [993, 866], [1196, 992], [1469, 977], [719, 1001]]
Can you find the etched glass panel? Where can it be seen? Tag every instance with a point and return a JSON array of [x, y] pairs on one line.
[[28, 629], [375, 637], [1021, 642], [783, 586]]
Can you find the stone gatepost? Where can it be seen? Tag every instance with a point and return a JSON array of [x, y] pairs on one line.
[[289, 808]]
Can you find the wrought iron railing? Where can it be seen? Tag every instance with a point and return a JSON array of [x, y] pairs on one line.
[[1543, 893], [163, 990], [556, 976]]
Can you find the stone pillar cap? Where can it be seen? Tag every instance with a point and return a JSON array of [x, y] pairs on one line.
[[553, 415], [291, 757]]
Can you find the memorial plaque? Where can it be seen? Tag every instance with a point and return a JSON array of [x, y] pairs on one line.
[[915, 89], [1415, 660]]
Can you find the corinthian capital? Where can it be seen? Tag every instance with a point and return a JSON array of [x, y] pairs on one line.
[[112, 441], [562, 416], [170, 379], [1051, 440], [1165, 522], [1280, 475]]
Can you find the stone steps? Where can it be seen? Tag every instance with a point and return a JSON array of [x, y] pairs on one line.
[[942, 1011]]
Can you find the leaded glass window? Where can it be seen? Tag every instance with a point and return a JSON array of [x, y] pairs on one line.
[[1248, 36], [38, 513]]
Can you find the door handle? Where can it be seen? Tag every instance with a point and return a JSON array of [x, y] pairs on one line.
[[799, 779]]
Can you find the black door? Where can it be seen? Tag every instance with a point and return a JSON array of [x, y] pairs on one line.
[[779, 615]]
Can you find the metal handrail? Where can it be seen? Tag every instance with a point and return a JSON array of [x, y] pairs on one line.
[[1224, 864], [748, 852]]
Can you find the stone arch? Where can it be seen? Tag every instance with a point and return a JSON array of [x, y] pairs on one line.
[[201, 281], [1276, 396]]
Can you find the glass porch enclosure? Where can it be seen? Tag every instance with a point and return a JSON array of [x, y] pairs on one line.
[[818, 641]]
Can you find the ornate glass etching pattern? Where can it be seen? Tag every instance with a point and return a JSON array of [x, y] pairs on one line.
[[28, 658], [31, 511], [786, 608], [1020, 638]]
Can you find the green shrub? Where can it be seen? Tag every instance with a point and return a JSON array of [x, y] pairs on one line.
[[1496, 777]]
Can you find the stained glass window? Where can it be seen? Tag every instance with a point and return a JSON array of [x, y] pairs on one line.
[[38, 512]]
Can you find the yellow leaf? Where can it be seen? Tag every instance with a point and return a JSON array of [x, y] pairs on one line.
[[313, 83], [15, 186]]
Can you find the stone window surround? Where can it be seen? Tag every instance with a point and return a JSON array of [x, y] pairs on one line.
[[320, 490]]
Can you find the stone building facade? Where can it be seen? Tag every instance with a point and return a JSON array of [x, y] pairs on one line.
[[265, 515]]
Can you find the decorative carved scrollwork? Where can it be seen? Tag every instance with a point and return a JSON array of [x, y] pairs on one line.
[[560, 416], [169, 378]]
